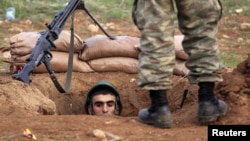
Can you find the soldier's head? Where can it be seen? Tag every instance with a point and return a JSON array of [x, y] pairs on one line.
[[103, 99]]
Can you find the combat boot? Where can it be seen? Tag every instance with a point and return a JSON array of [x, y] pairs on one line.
[[209, 111], [158, 117]]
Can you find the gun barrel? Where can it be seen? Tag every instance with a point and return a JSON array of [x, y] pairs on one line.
[[61, 17]]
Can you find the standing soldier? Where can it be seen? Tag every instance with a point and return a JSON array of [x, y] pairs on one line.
[[198, 21]]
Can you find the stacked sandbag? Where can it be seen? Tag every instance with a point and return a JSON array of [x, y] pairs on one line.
[[59, 63], [121, 54], [22, 44], [95, 54], [104, 54]]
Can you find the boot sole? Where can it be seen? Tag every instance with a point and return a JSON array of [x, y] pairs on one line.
[[207, 119], [158, 124]]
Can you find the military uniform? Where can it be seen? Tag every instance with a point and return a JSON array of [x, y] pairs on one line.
[[197, 20]]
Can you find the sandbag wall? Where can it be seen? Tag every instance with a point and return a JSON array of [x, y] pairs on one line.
[[95, 54], [22, 44]]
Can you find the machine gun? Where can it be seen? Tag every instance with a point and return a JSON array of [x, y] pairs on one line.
[[41, 52]]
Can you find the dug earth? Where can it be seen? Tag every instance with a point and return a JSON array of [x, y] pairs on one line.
[[51, 115]]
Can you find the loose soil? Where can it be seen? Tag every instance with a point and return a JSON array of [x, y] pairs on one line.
[[54, 116]]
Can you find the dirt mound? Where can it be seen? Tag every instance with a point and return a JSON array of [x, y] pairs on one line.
[[235, 91]]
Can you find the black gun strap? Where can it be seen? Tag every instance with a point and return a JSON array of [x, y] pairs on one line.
[[70, 65]]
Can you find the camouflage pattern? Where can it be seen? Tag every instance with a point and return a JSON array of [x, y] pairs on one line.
[[197, 21]]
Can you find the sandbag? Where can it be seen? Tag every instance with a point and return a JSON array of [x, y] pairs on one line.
[[13, 60], [113, 64], [19, 59], [59, 63], [124, 46], [24, 42], [101, 46], [5, 54], [129, 65]]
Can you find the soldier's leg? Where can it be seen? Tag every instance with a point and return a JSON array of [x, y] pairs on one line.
[[198, 21], [155, 20]]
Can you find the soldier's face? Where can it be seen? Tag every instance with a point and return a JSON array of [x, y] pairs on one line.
[[103, 104]]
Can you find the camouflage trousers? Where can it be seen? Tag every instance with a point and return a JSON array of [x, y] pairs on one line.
[[197, 20]]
